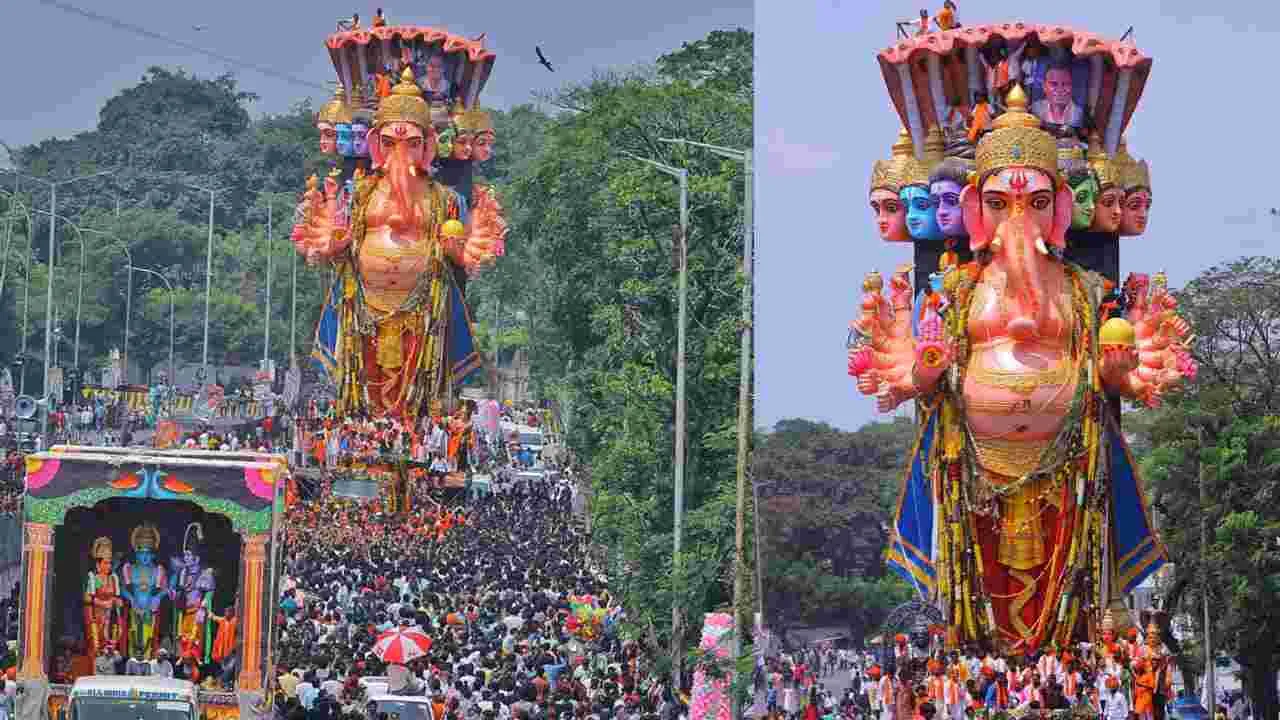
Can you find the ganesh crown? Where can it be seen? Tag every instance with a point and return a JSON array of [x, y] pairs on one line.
[[1017, 141], [404, 104]]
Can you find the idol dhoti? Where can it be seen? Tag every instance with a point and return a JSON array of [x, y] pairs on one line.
[[103, 613], [145, 585]]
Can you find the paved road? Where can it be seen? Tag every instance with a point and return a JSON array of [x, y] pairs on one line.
[[835, 682]]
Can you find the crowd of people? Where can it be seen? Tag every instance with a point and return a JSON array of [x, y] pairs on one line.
[[490, 583]]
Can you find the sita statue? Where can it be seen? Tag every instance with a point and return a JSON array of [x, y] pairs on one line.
[[1022, 514], [145, 585], [395, 333], [192, 594], [103, 609]]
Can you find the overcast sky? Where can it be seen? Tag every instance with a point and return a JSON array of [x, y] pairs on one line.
[[1205, 125], [65, 66]]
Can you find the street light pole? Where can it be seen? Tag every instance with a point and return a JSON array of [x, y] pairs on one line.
[[678, 524], [172, 377], [744, 379], [1211, 700], [208, 283], [266, 341]]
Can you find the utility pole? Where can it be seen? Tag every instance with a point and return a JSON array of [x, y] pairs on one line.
[[208, 283], [744, 387], [266, 340], [677, 664], [1209, 667]]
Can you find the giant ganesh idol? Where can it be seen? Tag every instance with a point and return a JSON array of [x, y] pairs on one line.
[[402, 230], [1022, 515]]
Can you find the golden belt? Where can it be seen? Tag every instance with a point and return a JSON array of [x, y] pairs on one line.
[[1023, 406], [1023, 382], [1012, 458]]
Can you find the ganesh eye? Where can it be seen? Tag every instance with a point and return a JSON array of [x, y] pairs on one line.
[[1040, 202]]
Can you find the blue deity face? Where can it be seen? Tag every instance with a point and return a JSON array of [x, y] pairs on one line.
[[360, 139], [922, 221], [345, 144], [146, 557]]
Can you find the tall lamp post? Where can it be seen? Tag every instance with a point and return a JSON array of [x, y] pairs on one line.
[[172, 378], [683, 176], [79, 282], [26, 296], [744, 374], [128, 293], [48, 306], [208, 282]]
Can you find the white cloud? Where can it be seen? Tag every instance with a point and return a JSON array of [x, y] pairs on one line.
[[789, 157]]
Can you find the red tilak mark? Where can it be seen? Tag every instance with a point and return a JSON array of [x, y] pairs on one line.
[[401, 130], [1018, 182]]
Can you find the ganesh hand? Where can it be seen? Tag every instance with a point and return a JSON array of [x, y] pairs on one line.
[[932, 358], [889, 398], [1118, 366]]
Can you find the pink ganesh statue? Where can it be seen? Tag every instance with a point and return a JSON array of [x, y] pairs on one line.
[[1020, 477]]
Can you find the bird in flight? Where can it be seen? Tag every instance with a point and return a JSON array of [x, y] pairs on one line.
[[198, 28], [542, 60]]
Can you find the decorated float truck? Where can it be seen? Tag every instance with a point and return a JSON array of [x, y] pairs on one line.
[[137, 551], [1021, 516]]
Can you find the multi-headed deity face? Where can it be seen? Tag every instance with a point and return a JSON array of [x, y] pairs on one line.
[[1107, 211], [945, 196], [1134, 212], [328, 138], [360, 139], [462, 146], [922, 222], [1084, 198], [146, 556], [482, 146], [345, 145], [891, 215]]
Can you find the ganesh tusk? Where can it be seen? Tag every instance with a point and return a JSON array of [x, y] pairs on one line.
[[996, 243], [413, 170], [1040, 247]]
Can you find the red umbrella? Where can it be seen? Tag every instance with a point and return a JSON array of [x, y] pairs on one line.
[[401, 645]]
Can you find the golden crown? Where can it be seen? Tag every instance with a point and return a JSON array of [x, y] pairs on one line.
[[476, 121], [101, 548], [1016, 140], [1069, 153], [903, 166], [935, 146], [145, 537], [1138, 177], [882, 177], [336, 111], [404, 104], [1123, 164]]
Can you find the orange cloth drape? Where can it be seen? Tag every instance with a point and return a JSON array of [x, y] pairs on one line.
[[225, 641]]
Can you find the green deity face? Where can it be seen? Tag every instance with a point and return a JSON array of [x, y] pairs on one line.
[[1084, 196]]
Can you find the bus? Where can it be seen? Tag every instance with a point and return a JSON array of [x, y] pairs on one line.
[[132, 697]]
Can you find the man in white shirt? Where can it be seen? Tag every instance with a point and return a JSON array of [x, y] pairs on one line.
[[1117, 702]]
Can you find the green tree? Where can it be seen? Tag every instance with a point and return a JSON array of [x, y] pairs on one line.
[[1222, 432], [827, 498]]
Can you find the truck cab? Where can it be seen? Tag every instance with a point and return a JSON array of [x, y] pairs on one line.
[[126, 697]]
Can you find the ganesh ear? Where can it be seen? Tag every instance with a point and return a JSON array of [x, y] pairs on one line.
[[970, 205], [375, 149], [1063, 205]]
